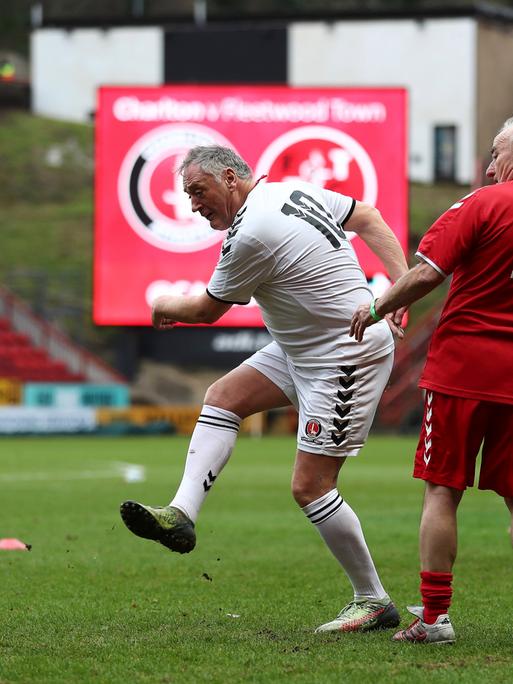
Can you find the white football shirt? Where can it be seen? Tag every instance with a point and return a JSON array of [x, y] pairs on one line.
[[287, 249]]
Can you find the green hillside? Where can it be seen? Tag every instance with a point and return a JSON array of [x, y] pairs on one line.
[[46, 191]]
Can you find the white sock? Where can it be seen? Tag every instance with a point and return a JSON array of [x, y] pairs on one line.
[[210, 448], [340, 528]]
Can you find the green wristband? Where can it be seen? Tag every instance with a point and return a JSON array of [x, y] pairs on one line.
[[373, 313]]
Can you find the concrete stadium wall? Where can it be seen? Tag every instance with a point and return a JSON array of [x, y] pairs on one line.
[[68, 66], [434, 59]]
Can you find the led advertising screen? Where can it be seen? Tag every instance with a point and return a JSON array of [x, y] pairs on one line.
[[147, 240]]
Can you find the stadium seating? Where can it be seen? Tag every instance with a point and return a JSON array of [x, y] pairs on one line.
[[21, 360]]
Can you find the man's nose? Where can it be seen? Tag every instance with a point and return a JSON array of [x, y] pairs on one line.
[[195, 204], [490, 171]]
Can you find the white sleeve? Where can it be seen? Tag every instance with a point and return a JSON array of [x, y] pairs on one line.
[[341, 206], [245, 263]]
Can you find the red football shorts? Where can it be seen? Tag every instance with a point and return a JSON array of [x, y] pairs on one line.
[[453, 430]]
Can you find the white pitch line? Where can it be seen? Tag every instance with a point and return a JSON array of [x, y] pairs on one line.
[[83, 475], [115, 472]]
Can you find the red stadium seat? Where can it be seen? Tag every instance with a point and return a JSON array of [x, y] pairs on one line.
[[20, 360]]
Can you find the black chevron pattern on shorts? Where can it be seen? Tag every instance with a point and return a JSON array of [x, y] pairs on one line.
[[340, 408], [343, 406], [340, 425], [344, 396]]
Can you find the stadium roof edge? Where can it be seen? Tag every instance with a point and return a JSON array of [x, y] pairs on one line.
[[478, 10]]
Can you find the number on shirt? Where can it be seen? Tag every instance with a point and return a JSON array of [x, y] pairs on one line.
[[311, 211]]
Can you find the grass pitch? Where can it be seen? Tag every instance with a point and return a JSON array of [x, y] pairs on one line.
[[93, 603]]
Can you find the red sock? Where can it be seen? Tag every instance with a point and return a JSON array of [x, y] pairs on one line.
[[436, 592]]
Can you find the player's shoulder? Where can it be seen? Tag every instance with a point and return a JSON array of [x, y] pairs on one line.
[[494, 192], [281, 190], [486, 196], [497, 192], [301, 193], [267, 200]]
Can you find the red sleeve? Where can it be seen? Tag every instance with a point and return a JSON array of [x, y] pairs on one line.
[[453, 235]]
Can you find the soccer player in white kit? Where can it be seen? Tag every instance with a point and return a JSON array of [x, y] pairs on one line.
[[286, 246]]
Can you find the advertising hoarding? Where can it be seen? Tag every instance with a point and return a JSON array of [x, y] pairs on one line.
[[147, 240]]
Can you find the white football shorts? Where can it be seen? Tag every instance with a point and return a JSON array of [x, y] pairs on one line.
[[336, 404]]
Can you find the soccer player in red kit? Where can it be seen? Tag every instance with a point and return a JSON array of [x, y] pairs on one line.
[[468, 376]]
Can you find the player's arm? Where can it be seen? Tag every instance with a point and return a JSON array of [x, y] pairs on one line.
[[170, 309], [413, 285], [367, 222]]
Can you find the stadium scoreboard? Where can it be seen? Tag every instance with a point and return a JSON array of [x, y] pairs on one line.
[[148, 242]]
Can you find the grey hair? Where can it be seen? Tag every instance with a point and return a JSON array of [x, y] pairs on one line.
[[506, 124], [214, 159]]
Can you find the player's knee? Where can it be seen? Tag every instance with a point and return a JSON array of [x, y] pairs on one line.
[[303, 491], [216, 394], [220, 395]]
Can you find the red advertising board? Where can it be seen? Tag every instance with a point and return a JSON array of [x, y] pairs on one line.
[[147, 240]]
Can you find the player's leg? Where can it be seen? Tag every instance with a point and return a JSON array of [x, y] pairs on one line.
[[314, 486], [438, 547], [497, 457], [438, 528], [241, 393], [449, 442], [337, 407], [246, 390]]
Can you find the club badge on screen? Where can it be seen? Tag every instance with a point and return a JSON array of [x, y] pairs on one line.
[[324, 156], [150, 189]]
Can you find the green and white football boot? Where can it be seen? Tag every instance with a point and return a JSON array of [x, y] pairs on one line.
[[363, 615], [166, 525]]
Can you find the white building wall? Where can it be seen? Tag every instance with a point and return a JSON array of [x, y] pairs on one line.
[[434, 59], [68, 66]]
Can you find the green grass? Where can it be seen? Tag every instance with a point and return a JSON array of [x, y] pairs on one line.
[[93, 603]]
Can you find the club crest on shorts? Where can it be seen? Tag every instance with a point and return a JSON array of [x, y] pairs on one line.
[[313, 428]]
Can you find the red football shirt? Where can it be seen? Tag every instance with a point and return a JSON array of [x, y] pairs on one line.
[[471, 351]]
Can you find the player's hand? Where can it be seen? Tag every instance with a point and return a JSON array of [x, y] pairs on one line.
[[163, 323], [395, 321], [398, 316], [159, 317], [396, 329], [361, 320]]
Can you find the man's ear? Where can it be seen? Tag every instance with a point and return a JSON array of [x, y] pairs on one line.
[[230, 178]]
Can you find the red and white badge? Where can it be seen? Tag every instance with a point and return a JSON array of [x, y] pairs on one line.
[[150, 191], [313, 428], [324, 156]]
